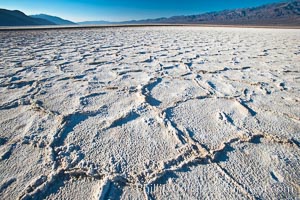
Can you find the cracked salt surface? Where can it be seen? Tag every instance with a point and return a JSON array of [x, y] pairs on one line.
[[150, 113]]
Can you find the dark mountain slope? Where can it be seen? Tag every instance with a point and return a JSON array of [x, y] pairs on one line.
[[17, 18]]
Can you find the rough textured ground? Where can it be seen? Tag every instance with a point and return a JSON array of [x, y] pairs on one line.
[[150, 113]]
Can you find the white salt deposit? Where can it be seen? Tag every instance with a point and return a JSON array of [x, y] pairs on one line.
[[150, 113]]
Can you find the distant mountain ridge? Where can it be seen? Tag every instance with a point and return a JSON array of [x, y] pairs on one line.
[[284, 13], [17, 18], [54, 19], [95, 22]]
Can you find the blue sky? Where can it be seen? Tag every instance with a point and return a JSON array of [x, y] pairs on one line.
[[121, 10]]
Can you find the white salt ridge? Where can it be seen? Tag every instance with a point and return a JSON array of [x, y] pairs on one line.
[[150, 113]]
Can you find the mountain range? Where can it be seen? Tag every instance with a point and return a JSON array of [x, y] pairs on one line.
[[282, 14], [53, 19], [101, 22], [285, 13], [17, 18]]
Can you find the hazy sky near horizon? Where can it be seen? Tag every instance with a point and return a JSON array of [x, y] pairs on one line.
[[122, 10]]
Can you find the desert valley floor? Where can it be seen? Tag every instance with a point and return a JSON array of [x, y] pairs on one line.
[[150, 113]]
